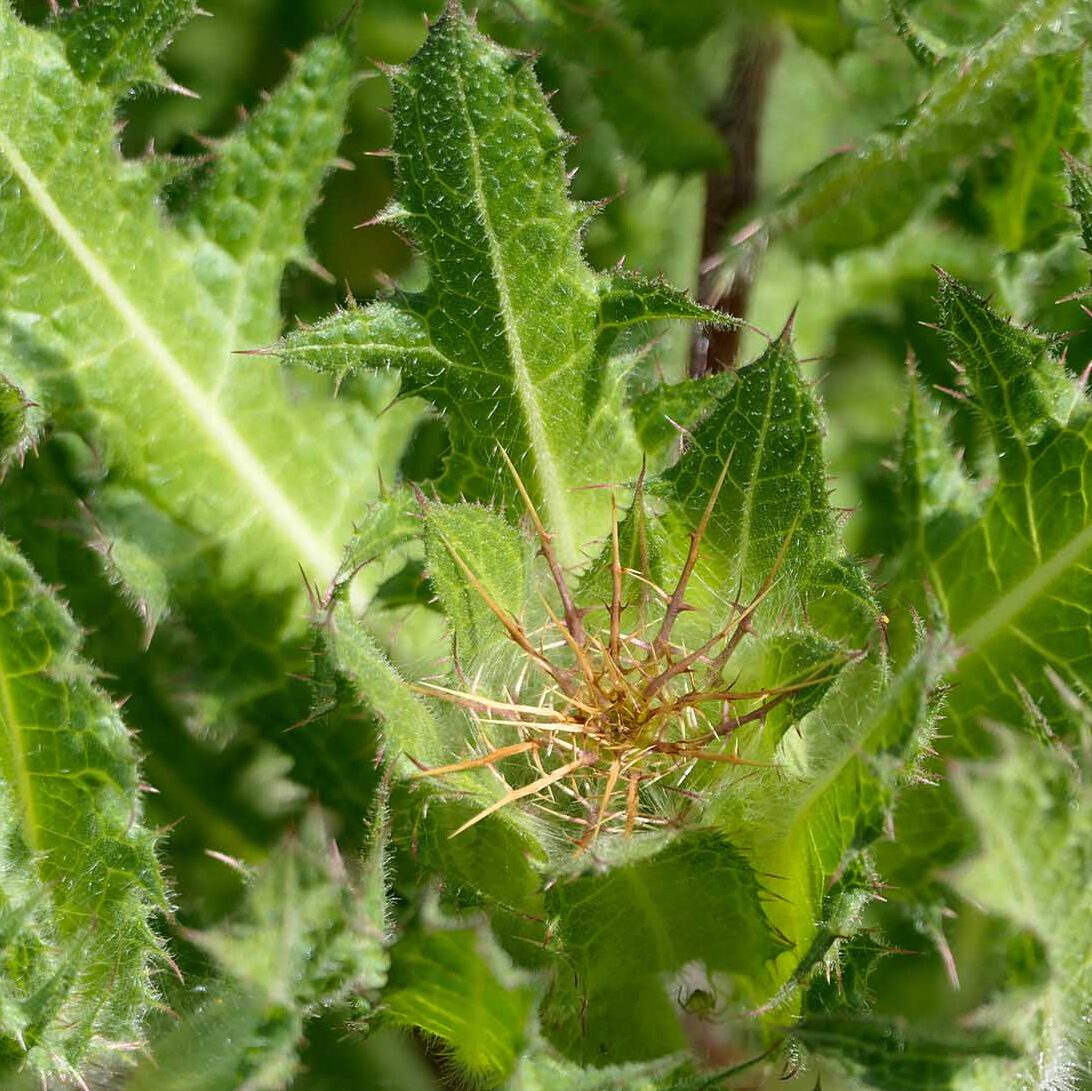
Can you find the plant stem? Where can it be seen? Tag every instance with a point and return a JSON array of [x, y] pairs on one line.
[[731, 191]]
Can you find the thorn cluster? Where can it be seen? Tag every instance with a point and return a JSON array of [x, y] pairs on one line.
[[622, 707]]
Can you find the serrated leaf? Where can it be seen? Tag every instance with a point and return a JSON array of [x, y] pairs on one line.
[[771, 515], [1079, 176], [540, 1071], [892, 1057], [793, 658], [487, 867], [475, 557], [1021, 186], [418, 734], [932, 482], [131, 567], [20, 424], [828, 797], [664, 413], [860, 197], [127, 323], [116, 43], [1010, 571], [511, 337], [454, 984], [623, 933], [81, 879], [378, 685]]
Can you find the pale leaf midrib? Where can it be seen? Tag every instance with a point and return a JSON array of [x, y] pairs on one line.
[[549, 478], [283, 514]]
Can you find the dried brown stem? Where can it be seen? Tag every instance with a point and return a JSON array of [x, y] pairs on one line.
[[511, 627], [631, 804], [604, 804], [616, 581]]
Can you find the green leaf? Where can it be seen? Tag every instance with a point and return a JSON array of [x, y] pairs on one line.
[[474, 558], [510, 339], [80, 879], [771, 516], [1033, 812], [860, 197], [820, 23], [455, 985], [1021, 185], [410, 724], [660, 414], [130, 565], [659, 24], [828, 798], [115, 43], [931, 482], [1019, 385], [487, 867], [539, 1070], [621, 934], [1010, 571], [127, 323], [308, 935], [1080, 192], [417, 734]]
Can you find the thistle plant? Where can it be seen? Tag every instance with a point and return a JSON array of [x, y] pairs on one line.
[[622, 709], [591, 756], [638, 685]]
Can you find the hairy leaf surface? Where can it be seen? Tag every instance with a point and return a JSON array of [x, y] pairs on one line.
[[771, 516], [511, 338], [123, 324], [1034, 820], [826, 801], [455, 984], [639, 92], [622, 934], [1010, 568], [116, 43], [80, 879], [310, 933]]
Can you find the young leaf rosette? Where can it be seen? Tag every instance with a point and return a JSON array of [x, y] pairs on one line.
[[664, 699]]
